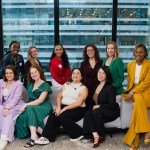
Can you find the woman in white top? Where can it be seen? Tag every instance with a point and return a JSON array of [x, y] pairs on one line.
[[70, 109], [10, 104], [138, 91]]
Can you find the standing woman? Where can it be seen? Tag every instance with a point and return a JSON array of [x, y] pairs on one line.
[[138, 91], [32, 60], [116, 67], [89, 67], [105, 110], [10, 103], [13, 58], [59, 68], [38, 107]]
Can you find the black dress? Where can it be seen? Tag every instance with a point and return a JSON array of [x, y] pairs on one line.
[[90, 80]]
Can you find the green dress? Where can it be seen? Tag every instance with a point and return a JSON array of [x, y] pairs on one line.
[[33, 114]]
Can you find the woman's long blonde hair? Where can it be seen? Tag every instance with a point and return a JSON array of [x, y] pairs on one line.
[[116, 55], [30, 58]]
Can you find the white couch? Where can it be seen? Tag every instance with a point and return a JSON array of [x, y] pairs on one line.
[[121, 122]]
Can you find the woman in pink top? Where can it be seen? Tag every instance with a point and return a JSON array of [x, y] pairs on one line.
[[59, 68]]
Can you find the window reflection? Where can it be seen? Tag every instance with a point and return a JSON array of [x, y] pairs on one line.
[[31, 23]]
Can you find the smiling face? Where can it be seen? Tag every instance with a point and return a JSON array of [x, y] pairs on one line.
[[33, 52], [15, 48], [110, 50], [101, 75], [35, 75], [139, 54], [90, 52], [76, 76], [9, 75], [58, 51]]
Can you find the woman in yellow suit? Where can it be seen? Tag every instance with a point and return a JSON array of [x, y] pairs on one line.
[[138, 90]]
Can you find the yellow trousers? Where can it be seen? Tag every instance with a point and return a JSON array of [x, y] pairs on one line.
[[139, 122]]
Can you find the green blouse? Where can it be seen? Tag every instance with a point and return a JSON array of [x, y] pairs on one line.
[[35, 94]]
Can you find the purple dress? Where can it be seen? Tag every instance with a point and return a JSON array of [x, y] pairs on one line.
[[13, 103]]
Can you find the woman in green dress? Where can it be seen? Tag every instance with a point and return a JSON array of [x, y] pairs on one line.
[[33, 113]]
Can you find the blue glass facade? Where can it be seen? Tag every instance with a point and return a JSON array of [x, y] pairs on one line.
[[81, 22]]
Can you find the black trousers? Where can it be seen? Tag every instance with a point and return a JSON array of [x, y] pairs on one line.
[[67, 119], [94, 120]]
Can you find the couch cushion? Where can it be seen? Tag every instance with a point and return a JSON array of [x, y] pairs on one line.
[[114, 124]]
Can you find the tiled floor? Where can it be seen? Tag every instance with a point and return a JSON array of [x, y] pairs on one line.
[[63, 143]]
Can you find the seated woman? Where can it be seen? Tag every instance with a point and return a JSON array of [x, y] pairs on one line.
[[10, 104], [105, 110], [138, 91], [70, 109], [60, 70], [38, 107]]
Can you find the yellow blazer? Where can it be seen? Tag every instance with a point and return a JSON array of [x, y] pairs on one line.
[[144, 81]]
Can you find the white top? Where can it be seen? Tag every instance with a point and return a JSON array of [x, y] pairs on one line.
[[137, 73], [5, 93], [71, 93]]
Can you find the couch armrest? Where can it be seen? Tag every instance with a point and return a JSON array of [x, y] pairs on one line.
[[125, 113]]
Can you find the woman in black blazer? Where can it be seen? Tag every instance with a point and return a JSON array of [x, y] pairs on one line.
[[105, 110]]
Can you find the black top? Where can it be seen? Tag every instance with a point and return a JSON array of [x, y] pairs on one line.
[[90, 74], [107, 97], [90, 80]]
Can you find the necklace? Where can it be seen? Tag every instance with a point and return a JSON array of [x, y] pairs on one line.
[[75, 86]]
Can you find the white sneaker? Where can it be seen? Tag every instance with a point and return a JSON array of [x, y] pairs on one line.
[[42, 141], [77, 139], [3, 144]]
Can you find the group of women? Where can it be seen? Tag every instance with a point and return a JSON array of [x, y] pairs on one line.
[[88, 92]]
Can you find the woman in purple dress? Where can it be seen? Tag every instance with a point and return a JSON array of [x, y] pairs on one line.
[[89, 67], [10, 103]]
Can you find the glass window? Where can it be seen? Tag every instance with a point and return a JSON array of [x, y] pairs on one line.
[[83, 22], [30, 22], [133, 26]]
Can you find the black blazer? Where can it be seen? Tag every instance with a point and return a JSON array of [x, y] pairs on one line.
[[107, 97]]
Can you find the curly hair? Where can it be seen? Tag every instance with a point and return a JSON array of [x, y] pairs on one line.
[[116, 55], [39, 69], [86, 57], [64, 57], [143, 46], [30, 58], [11, 67]]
